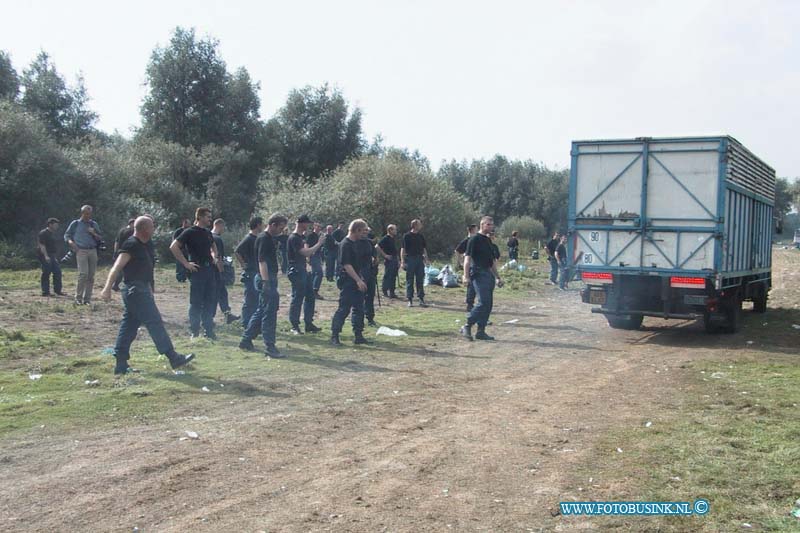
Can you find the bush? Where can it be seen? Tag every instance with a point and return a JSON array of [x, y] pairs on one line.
[[529, 228], [15, 256], [382, 191]]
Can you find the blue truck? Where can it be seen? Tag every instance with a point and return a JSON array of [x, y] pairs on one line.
[[671, 228]]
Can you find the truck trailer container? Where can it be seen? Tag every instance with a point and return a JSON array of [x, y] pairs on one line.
[[671, 228]]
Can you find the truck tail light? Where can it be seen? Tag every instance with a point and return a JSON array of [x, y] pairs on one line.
[[592, 278], [680, 282]]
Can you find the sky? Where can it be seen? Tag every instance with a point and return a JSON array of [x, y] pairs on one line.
[[462, 79]]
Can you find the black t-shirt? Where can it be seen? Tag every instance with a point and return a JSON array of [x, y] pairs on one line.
[[294, 244], [480, 249], [140, 265], [348, 254], [312, 239], [562, 252], [198, 243], [281, 241], [330, 243], [339, 234], [551, 246], [462, 246], [496, 251], [413, 243], [177, 233], [220, 244], [246, 249], [123, 235], [388, 245], [366, 252], [512, 243], [48, 240], [266, 252]]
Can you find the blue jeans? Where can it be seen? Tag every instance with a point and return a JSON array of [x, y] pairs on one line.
[[302, 296], [265, 319], [391, 266], [316, 271], [202, 300], [513, 253], [482, 281], [415, 274], [250, 302], [140, 309], [564, 271], [350, 298], [553, 269], [330, 264], [50, 267]]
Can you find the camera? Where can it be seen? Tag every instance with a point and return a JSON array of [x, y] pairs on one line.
[[68, 256]]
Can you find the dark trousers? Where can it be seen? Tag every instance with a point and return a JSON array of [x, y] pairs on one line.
[[302, 296], [470, 296], [140, 309], [50, 267], [371, 277], [222, 293], [117, 281], [181, 274], [553, 269], [316, 271], [350, 299], [563, 268], [391, 266], [265, 318], [284, 259], [483, 283], [513, 253], [250, 302], [202, 300], [415, 274], [330, 264]]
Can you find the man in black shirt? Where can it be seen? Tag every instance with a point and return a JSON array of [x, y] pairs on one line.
[[352, 286], [563, 264], [219, 277], [265, 319], [135, 261], [461, 250], [550, 248], [387, 247], [302, 289], [180, 272], [246, 254], [513, 246], [312, 238], [123, 235], [201, 264], [331, 251], [480, 269], [413, 259], [47, 253]]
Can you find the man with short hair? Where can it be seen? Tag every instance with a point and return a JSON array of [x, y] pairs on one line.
[[123, 235], [331, 251], [219, 273], [83, 236], [414, 259], [265, 318], [47, 253], [302, 289], [201, 263], [461, 249], [135, 261], [550, 249], [180, 271], [312, 238], [387, 247], [352, 286], [513, 246], [246, 255], [563, 264], [480, 269]]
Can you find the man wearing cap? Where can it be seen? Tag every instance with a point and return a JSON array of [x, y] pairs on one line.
[[265, 318], [135, 261], [46, 251], [302, 288], [83, 237], [387, 248], [312, 237], [246, 255], [352, 286], [331, 251]]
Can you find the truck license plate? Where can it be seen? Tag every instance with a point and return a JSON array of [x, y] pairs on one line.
[[694, 299], [597, 297]]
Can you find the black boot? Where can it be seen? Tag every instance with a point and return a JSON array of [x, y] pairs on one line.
[[361, 340], [311, 328], [466, 332], [246, 345], [482, 336], [231, 318], [177, 360], [335, 340], [422, 303]]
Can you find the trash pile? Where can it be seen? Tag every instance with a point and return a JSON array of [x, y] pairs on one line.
[[513, 265], [445, 277]]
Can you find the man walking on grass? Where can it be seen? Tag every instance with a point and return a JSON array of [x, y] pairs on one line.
[[83, 236], [480, 270], [46, 251]]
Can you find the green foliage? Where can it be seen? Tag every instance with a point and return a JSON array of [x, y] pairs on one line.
[[14, 256], [382, 190], [504, 188], [528, 227], [314, 133], [9, 80]]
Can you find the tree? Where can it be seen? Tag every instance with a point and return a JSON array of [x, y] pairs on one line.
[[314, 133], [63, 110], [9, 80]]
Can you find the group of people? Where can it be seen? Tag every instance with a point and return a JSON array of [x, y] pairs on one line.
[[556, 249], [350, 257]]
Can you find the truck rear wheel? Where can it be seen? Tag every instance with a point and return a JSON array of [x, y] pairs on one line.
[[760, 301], [733, 316], [625, 321]]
